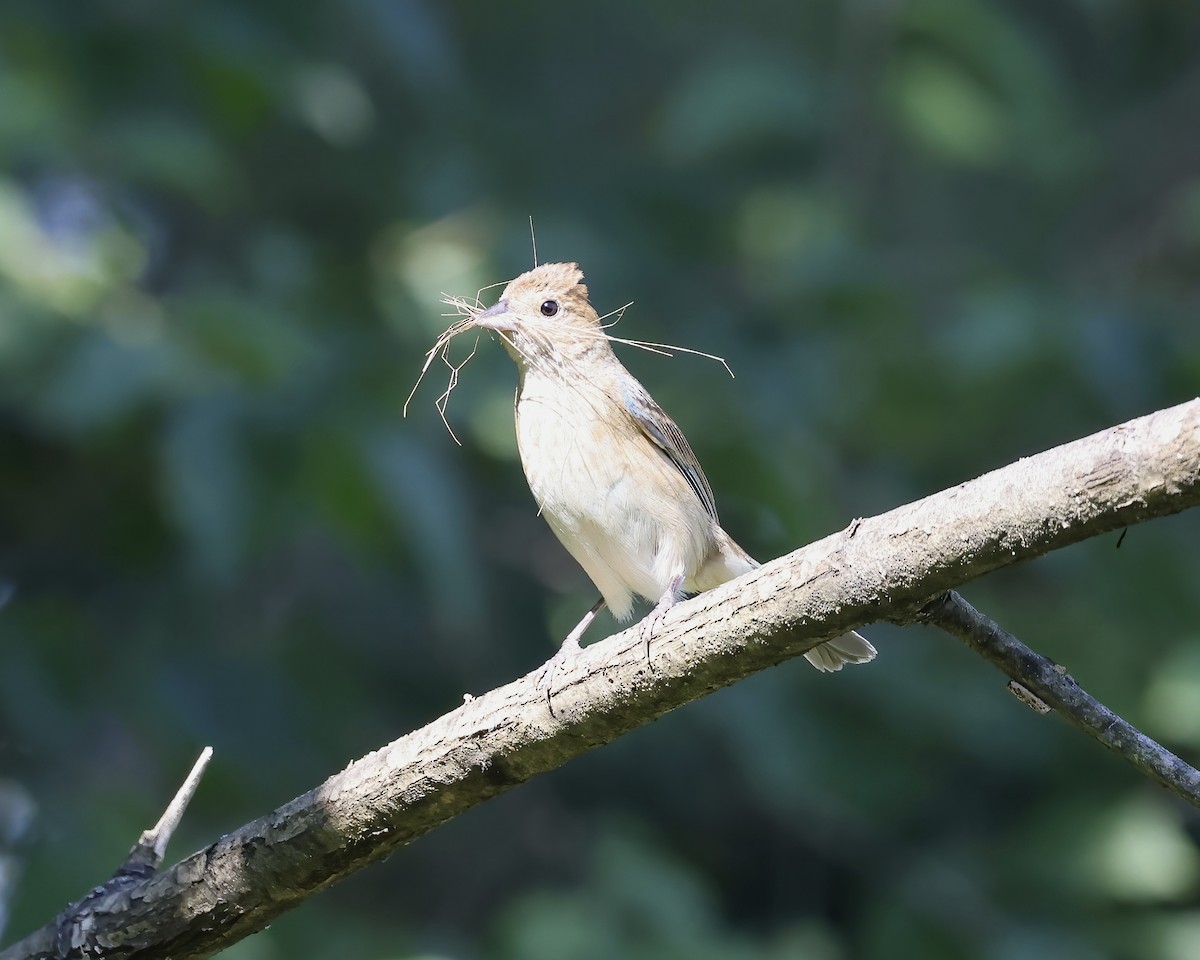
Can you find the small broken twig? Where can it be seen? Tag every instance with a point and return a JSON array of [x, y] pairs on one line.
[[74, 927], [152, 844]]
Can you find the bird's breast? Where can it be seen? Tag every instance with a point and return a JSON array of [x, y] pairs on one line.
[[571, 452], [617, 504]]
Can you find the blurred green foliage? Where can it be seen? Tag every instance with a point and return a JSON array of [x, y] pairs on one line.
[[930, 237]]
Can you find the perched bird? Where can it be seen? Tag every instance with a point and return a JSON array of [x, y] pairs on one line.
[[611, 472]]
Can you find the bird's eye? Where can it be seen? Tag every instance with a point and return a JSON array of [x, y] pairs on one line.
[[550, 308]]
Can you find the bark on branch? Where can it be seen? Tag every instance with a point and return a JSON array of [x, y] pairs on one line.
[[883, 568], [1055, 689]]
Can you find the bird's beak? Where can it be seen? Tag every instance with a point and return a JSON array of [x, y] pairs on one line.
[[495, 317]]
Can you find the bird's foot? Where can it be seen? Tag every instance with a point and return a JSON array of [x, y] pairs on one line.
[[649, 627], [569, 649], [545, 677], [654, 618], [555, 665]]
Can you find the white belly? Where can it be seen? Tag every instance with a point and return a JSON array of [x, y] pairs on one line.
[[618, 506]]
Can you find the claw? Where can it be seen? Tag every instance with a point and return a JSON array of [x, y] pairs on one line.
[[545, 677], [655, 617], [570, 647]]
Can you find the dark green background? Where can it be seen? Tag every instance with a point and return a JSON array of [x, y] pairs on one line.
[[929, 237]]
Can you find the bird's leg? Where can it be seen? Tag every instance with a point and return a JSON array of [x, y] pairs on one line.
[[569, 648], [655, 617]]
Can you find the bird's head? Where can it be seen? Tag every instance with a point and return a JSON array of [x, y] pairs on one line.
[[544, 316]]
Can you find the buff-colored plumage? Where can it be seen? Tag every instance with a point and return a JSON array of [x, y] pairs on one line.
[[611, 472]]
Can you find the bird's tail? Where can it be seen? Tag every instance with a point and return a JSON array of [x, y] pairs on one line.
[[836, 653], [730, 561]]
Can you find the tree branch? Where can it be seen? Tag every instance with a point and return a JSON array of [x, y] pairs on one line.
[[885, 567], [1059, 691]]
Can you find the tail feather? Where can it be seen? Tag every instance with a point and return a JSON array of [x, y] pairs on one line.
[[836, 653]]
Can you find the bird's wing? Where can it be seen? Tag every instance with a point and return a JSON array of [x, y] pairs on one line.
[[664, 434]]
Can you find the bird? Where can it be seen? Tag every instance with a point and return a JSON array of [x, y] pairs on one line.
[[611, 472]]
